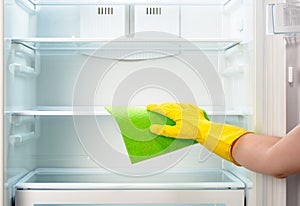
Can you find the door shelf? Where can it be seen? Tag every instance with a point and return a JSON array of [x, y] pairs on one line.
[[126, 44], [101, 111], [284, 18]]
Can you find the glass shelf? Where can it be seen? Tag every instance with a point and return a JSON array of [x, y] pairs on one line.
[[59, 111], [99, 179], [122, 2], [101, 111], [126, 44], [285, 18]]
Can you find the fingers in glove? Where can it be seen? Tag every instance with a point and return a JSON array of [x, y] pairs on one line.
[[170, 110], [165, 130]]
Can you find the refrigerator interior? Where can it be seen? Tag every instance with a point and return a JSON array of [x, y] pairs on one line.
[[55, 52]]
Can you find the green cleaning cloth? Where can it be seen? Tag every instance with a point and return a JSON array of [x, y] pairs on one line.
[[140, 143]]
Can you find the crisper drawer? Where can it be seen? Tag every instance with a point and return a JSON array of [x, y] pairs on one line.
[[93, 186]]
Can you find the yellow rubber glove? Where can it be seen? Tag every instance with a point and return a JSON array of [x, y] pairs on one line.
[[192, 124]]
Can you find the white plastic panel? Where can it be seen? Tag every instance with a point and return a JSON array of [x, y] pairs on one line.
[[198, 22], [105, 22], [157, 18], [185, 197], [56, 21]]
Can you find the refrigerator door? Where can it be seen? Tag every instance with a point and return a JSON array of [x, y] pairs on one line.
[[284, 29], [293, 99], [293, 108], [1, 105]]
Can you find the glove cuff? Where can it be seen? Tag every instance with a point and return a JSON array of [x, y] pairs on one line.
[[220, 139]]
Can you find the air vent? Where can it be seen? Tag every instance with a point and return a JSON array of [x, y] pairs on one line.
[[153, 11], [105, 10]]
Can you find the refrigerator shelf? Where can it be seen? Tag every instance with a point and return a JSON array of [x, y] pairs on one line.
[[101, 111], [121, 2], [126, 44], [284, 18], [67, 179], [59, 111]]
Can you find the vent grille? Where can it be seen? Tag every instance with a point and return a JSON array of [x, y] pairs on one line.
[[153, 11], [105, 10]]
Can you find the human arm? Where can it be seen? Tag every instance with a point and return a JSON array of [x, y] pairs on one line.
[[270, 155], [265, 154]]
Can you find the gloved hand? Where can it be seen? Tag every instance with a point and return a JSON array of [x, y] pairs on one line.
[[192, 123]]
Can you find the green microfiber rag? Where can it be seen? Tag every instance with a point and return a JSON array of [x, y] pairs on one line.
[[140, 143]]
